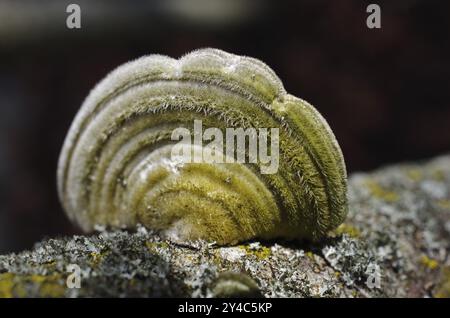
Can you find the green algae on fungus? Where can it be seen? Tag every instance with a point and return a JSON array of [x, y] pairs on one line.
[[116, 167]]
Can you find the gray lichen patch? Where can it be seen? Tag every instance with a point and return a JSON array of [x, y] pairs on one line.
[[395, 242]]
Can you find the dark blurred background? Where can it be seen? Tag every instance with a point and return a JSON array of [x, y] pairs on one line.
[[385, 92]]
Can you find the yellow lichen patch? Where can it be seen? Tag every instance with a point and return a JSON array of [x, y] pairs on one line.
[[261, 252], [310, 255], [12, 285], [414, 174], [216, 257], [381, 193], [153, 246], [50, 286], [6, 285], [442, 289], [444, 204], [190, 258], [438, 175], [348, 229], [50, 263], [96, 257], [429, 262]]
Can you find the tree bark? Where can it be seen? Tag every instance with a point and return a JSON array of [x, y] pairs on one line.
[[394, 243]]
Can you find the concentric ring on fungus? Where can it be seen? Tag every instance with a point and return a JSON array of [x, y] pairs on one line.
[[115, 167]]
